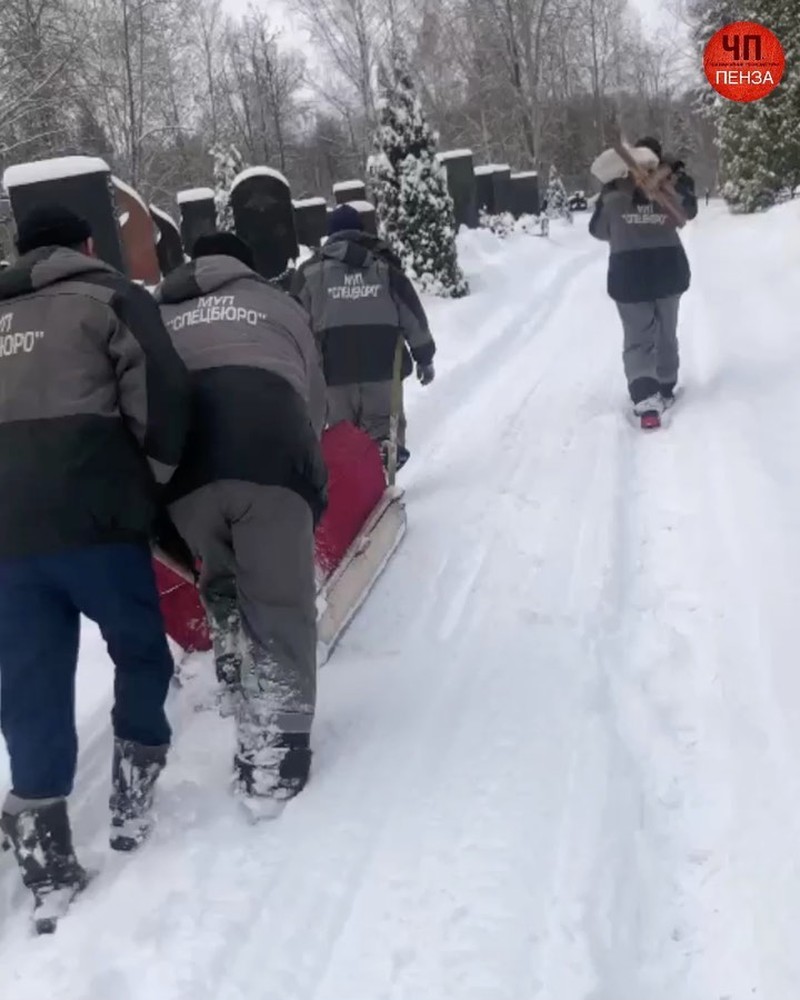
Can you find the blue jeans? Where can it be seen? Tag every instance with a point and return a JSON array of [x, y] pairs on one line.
[[41, 602]]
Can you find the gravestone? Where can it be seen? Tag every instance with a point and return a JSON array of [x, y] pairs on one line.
[[460, 168], [168, 245], [494, 188], [369, 218], [525, 194], [81, 183], [345, 192], [138, 232], [198, 215], [264, 218], [311, 221]]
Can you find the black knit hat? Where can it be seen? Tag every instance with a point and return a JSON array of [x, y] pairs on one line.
[[51, 225], [223, 245], [344, 219], [649, 142]]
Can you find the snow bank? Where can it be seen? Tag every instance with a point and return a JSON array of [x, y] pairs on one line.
[[50, 170], [453, 154], [194, 194], [251, 172]]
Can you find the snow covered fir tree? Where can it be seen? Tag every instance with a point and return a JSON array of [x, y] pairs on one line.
[[759, 142], [557, 199], [416, 216], [228, 162]]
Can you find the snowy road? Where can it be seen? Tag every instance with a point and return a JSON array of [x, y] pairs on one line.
[[556, 756]]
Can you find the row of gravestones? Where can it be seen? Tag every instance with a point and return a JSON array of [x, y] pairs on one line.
[[146, 242], [493, 188]]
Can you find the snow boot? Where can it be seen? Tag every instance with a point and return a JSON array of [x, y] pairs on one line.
[[649, 412], [41, 839], [667, 393], [276, 772], [134, 773]]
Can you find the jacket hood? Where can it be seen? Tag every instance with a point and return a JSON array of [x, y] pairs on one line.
[[355, 247], [47, 266], [203, 276]]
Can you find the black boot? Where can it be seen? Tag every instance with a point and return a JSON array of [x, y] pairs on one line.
[[134, 773], [41, 839], [279, 771]]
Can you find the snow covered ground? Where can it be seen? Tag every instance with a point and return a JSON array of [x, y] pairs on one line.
[[557, 753]]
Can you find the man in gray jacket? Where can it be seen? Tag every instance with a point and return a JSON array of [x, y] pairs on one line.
[[648, 272], [94, 405], [360, 303], [247, 496]]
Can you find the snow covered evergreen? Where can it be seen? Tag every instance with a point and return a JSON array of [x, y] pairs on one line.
[[759, 142], [228, 163], [557, 199], [415, 210]]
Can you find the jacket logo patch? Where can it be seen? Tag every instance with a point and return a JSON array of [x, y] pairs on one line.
[[354, 287], [13, 341], [646, 216], [216, 309]]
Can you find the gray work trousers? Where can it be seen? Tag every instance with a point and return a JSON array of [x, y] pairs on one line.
[[650, 353], [256, 544], [368, 405]]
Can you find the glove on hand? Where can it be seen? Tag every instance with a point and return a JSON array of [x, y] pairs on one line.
[[426, 374]]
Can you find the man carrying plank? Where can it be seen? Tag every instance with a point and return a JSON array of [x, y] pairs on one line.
[[639, 216]]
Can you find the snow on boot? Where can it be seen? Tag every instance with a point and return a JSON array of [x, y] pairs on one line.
[[268, 777], [135, 770], [41, 838], [667, 393], [649, 412]]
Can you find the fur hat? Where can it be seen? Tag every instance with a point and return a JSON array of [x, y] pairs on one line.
[[51, 225]]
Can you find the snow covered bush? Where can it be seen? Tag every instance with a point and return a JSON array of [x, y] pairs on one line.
[[228, 163], [415, 210], [504, 225], [557, 198]]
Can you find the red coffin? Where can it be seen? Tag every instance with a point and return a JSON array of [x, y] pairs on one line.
[[356, 483]]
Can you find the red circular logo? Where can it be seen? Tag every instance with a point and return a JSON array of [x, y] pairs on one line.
[[744, 61]]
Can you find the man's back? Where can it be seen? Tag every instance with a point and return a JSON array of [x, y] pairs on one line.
[[76, 392], [257, 386]]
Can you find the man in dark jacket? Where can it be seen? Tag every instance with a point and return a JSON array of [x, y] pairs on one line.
[[247, 495], [360, 303], [647, 275], [94, 407]]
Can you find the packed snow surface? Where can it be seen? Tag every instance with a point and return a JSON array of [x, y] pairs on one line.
[[348, 185], [525, 173], [195, 194], [309, 202], [50, 170], [556, 755], [362, 206]]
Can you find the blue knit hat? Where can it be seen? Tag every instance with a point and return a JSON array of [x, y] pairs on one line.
[[344, 219]]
